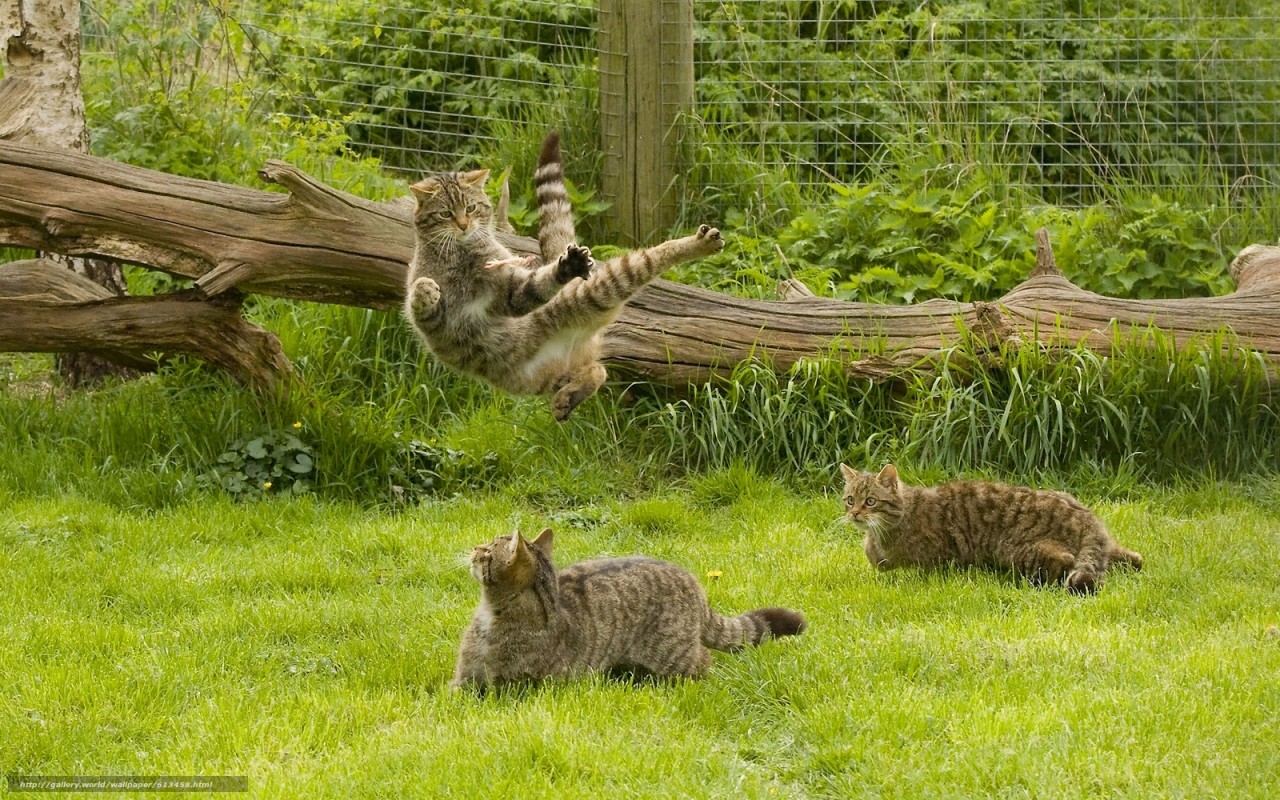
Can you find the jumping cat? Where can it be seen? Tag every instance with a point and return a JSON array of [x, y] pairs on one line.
[[633, 613], [526, 329], [1045, 536]]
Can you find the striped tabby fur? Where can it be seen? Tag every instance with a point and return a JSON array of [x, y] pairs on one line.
[[632, 613], [1045, 536], [524, 329]]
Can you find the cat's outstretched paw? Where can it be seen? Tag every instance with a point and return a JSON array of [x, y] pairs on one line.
[[709, 240], [424, 296], [575, 262]]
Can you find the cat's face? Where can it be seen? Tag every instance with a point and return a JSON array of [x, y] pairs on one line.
[[453, 205], [872, 501], [510, 563]]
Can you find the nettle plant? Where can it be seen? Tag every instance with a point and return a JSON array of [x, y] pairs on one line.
[[425, 469], [270, 463]]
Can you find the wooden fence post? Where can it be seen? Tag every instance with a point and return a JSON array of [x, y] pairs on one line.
[[646, 81]]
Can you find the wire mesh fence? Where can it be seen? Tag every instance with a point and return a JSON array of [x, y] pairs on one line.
[[420, 86], [1059, 97]]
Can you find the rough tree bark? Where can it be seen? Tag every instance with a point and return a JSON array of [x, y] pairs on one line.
[[48, 309], [41, 103], [320, 244]]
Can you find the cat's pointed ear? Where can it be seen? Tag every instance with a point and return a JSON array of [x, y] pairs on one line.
[[543, 541], [474, 178], [425, 188], [888, 477], [517, 548], [849, 472]]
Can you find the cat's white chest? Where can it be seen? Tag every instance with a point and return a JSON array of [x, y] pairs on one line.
[[478, 306], [555, 350]]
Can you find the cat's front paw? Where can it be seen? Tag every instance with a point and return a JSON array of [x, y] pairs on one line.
[[576, 262], [709, 240], [424, 296]]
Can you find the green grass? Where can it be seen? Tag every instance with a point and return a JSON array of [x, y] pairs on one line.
[[1145, 414], [307, 644]]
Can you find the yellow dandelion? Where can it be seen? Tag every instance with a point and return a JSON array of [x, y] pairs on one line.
[[714, 574], [297, 425], [266, 484]]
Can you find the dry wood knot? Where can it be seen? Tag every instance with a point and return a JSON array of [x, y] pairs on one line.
[[1256, 265], [20, 52], [56, 223], [992, 327], [794, 289], [1046, 263]]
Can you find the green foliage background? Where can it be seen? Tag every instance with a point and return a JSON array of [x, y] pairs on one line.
[[890, 151], [925, 209]]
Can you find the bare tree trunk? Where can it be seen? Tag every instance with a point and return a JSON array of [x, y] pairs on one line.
[[41, 103]]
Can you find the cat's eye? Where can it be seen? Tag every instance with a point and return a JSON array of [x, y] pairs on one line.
[[471, 209], [848, 501], [871, 501]]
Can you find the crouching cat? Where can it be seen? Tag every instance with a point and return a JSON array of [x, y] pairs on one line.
[[1045, 536], [633, 613], [525, 329]]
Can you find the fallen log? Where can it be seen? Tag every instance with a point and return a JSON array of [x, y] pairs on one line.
[[317, 243], [41, 104], [682, 333], [46, 308]]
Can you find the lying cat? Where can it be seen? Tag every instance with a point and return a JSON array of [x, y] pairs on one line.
[[523, 328], [633, 613], [1044, 536]]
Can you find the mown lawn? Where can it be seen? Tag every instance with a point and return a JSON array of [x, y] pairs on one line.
[[307, 646]]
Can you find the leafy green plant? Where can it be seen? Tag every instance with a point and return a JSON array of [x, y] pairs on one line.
[[274, 462], [178, 86], [423, 86], [925, 230], [425, 469]]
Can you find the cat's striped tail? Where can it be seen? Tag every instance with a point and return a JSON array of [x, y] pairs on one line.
[[751, 628], [555, 215]]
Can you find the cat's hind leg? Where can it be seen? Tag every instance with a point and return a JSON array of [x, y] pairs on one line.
[[575, 387], [693, 661], [1117, 552], [698, 664]]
